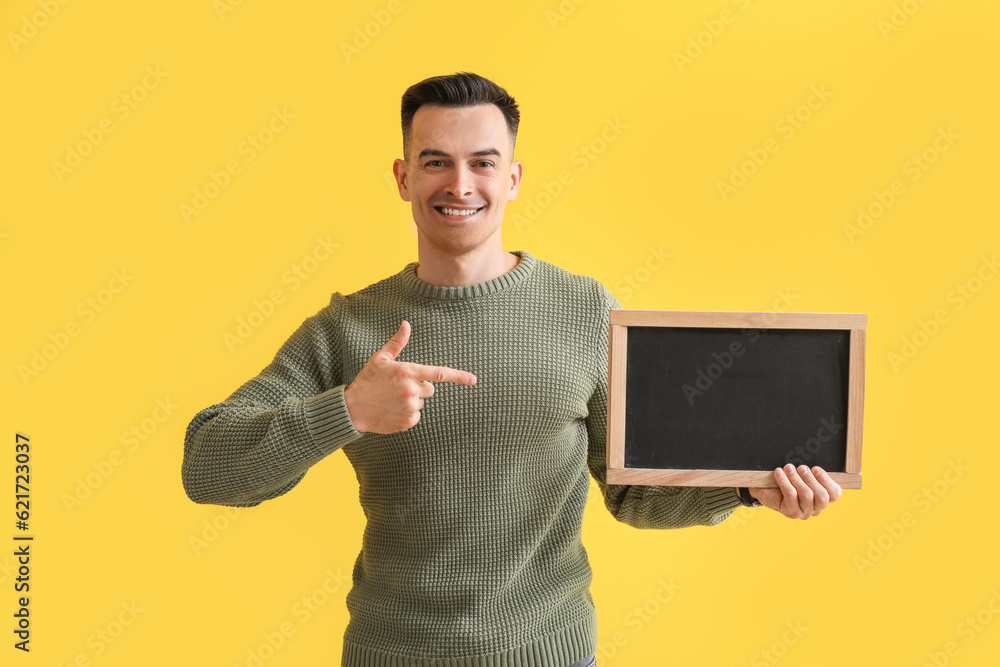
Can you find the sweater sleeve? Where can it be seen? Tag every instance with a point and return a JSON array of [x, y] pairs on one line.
[[260, 441], [643, 506]]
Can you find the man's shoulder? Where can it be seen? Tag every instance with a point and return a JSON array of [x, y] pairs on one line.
[[371, 293], [576, 285], [377, 289]]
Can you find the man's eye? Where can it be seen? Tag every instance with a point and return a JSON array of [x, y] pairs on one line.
[[486, 164], [434, 163]]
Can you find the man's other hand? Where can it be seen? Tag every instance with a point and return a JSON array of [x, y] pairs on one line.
[[387, 395], [801, 492]]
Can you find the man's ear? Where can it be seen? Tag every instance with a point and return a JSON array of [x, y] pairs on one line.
[[516, 171], [399, 171]]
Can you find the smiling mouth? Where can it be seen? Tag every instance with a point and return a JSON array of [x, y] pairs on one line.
[[458, 212]]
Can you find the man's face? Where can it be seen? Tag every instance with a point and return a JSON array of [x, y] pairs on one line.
[[459, 176]]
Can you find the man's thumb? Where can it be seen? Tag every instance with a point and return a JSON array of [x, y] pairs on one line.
[[398, 341]]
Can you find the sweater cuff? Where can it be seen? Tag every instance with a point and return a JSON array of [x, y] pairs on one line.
[[720, 502], [328, 420]]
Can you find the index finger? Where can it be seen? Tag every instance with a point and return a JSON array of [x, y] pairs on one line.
[[421, 373], [832, 487]]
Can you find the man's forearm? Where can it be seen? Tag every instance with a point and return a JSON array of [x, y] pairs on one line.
[[239, 454]]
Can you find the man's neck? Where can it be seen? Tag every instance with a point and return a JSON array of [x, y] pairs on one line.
[[477, 266]]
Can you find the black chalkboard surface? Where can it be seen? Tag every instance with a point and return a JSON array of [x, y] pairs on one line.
[[695, 402]]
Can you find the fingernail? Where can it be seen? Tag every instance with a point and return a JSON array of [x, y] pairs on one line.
[[803, 470]]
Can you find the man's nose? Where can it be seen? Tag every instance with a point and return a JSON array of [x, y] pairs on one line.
[[460, 185]]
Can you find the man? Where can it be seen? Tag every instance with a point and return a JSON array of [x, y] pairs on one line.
[[474, 487]]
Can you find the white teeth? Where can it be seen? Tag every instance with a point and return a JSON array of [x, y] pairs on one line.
[[455, 211]]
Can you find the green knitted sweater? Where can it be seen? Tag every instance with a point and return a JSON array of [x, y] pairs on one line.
[[472, 554]]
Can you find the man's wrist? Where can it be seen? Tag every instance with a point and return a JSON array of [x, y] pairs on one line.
[[348, 396]]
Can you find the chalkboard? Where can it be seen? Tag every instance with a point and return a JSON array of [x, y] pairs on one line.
[[724, 398]]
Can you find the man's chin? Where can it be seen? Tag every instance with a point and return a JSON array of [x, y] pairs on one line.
[[458, 241]]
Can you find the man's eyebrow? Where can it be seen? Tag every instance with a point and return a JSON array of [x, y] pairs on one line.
[[487, 151], [431, 151], [439, 153]]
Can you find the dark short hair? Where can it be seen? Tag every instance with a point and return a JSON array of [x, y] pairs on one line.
[[462, 89]]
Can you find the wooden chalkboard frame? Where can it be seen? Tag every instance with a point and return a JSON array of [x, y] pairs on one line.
[[621, 320]]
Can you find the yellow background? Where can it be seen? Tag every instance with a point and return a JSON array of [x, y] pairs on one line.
[[895, 74]]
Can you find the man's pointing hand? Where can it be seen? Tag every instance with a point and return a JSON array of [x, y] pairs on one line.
[[387, 395]]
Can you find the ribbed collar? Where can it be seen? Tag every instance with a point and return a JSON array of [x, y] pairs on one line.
[[516, 275]]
